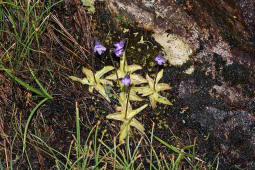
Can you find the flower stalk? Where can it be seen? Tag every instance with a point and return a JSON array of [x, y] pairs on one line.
[[160, 61], [126, 82], [115, 69], [98, 48], [128, 94]]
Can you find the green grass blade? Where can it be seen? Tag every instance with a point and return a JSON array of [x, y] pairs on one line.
[[28, 122], [151, 147], [135, 152], [28, 161], [178, 160], [52, 150], [40, 85], [84, 163], [111, 150], [95, 145], [99, 149], [78, 134], [11, 151], [157, 159], [115, 152], [68, 155], [23, 83], [173, 148]]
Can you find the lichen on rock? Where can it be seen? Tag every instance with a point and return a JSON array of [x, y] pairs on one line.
[[177, 51]]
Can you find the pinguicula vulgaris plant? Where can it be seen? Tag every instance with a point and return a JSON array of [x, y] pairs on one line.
[[127, 81], [153, 90], [154, 87], [124, 68], [125, 113], [95, 80]]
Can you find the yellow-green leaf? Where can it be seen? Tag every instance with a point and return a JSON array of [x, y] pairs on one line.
[[134, 97], [159, 76], [150, 81], [118, 108], [153, 101], [88, 73], [132, 113], [82, 81], [137, 79], [145, 91], [103, 71], [135, 123], [124, 129], [115, 116], [91, 88], [164, 100], [162, 87], [133, 68], [101, 90], [113, 76], [105, 82]]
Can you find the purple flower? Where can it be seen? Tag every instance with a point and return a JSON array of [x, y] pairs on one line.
[[126, 80], [99, 48], [119, 48], [118, 52], [160, 60], [120, 44]]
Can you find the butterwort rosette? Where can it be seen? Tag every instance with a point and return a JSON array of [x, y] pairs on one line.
[[159, 60], [126, 80], [99, 48], [119, 48]]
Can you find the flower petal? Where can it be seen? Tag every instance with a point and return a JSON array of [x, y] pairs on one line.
[[120, 44], [99, 48], [160, 60], [118, 52], [126, 80]]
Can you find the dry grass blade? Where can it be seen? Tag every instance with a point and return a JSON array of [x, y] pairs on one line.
[[52, 34], [4, 136], [84, 22], [54, 17], [54, 60]]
